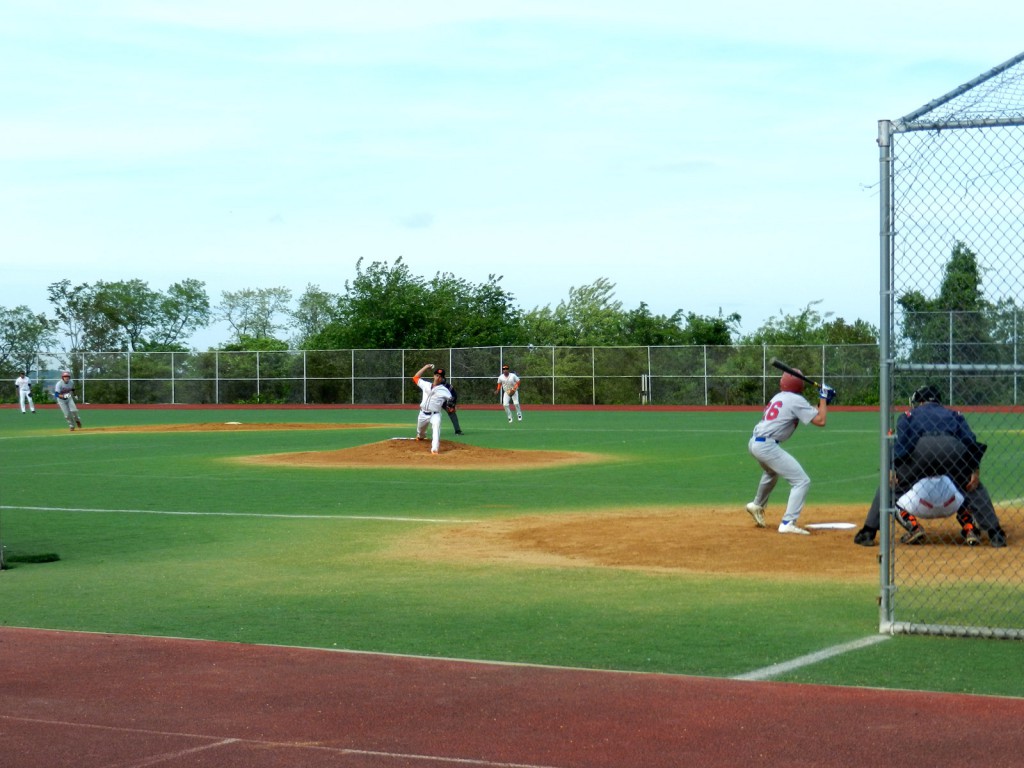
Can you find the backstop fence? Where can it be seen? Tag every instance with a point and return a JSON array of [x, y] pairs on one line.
[[952, 269]]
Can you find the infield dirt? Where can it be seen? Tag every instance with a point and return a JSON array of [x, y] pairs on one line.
[[720, 540]]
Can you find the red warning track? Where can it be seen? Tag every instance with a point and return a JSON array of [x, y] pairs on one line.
[[102, 701]]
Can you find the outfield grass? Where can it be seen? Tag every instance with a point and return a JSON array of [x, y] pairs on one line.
[[161, 533]]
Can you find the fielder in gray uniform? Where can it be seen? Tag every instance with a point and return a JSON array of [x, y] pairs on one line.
[[784, 413], [64, 391]]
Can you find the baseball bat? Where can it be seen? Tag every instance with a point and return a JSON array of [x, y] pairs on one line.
[[793, 372]]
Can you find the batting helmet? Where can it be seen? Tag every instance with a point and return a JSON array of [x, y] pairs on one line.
[[790, 383], [926, 394]]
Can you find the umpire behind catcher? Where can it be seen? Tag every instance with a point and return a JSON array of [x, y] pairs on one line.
[[451, 404], [933, 440]]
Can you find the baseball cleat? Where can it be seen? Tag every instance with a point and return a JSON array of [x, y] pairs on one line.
[[757, 512], [914, 536], [972, 539], [509, 419], [865, 537], [792, 528]]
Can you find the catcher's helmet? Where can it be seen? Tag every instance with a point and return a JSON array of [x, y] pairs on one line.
[[790, 383], [65, 373], [926, 394]]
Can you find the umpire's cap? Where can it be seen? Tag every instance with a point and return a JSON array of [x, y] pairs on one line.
[[926, 394]]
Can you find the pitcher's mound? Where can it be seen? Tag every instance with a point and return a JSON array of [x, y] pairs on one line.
[[415, 454]]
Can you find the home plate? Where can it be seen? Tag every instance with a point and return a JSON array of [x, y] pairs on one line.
[[830, 526]]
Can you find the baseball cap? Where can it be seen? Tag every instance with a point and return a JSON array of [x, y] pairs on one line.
[[439, 371]]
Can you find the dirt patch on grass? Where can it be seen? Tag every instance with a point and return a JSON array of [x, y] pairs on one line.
[[231, 426], [708, 540], [712, 540], [402, 453]]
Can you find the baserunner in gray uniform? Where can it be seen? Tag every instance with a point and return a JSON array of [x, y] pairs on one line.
[[784, 413], [64, 391]]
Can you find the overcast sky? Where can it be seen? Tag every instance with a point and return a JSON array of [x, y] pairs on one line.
[[701, 156]]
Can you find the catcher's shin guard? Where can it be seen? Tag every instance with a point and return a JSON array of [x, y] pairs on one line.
[[967, 527], [906, 519]]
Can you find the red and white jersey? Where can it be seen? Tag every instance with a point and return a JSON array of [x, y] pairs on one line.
[[785, 412], [932, 497]]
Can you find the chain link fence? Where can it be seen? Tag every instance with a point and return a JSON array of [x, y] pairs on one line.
[[952, 266], [681, 376]]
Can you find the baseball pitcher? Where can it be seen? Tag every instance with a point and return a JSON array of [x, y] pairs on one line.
[[435, 395]]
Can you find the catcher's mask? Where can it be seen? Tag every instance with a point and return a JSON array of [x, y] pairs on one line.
[[790, 383], [926, 394]]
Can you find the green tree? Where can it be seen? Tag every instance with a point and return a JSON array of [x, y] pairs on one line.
[[23, 336], [255, 312], [957, 324], [642, 328], [713, 331], [122, 313], [591, 316], [182, 310], [461, 314], [384, 307], [70, 306], [810, 327], [128, 315], [315, 311]]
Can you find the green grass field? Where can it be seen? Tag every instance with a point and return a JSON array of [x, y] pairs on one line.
[[160, 534]]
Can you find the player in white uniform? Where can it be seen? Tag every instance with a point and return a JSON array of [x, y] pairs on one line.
[[24, 386], [64, 391], [931, 498], [435, 395], [508, 385], [785, 412]]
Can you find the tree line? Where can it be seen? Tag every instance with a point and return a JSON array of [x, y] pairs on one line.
[[386, 306]]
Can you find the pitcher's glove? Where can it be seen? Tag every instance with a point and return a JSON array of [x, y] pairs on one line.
[[449, 406]]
